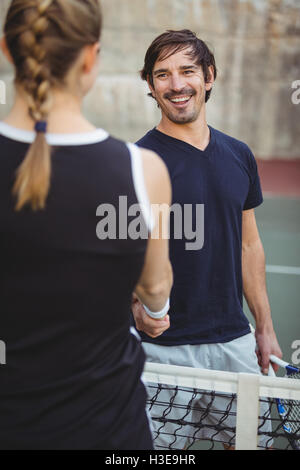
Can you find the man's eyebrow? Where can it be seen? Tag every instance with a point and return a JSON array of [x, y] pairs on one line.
[[160, 71], [182, 67], [186, 67]]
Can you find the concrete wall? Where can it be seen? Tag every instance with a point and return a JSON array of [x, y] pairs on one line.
[[257, 49]]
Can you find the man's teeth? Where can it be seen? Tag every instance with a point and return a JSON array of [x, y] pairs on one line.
[[179, 100]]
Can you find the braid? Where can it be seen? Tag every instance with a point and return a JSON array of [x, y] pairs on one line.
[[44, 38], [33, 176], [38, 80]]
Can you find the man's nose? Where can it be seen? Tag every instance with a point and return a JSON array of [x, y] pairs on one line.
[[177, 83]]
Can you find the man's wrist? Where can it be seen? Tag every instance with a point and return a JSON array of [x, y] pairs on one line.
[[264, 326], [161, 314]]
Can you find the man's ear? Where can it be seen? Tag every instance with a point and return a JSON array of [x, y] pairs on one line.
[[151, 87], [4, 48], [210, 79]]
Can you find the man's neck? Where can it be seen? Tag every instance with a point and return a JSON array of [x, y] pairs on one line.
[[195, 133]]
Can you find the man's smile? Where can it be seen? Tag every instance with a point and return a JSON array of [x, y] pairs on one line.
[[180, 100]]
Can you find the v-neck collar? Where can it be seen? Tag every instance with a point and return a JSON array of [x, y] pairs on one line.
[[186, 146]]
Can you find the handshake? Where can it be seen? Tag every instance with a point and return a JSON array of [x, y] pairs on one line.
[[145, 320]]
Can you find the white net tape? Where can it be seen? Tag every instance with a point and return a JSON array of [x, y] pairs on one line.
[[189, 405]]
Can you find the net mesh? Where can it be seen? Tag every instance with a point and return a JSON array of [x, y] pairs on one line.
[[289, 410], [203, 417]]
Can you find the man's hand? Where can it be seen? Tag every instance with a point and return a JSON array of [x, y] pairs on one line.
[[267, 344], [143, 322]]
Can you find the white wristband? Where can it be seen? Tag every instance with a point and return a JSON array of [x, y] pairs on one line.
[[157, 315]]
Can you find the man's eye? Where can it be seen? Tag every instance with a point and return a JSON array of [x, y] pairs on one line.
[[162, 75], [187, 72]]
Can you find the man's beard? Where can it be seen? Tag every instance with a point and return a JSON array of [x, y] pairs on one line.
[[180, 116], [184, 119]]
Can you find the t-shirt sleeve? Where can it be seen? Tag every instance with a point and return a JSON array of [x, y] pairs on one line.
[[255, 197]]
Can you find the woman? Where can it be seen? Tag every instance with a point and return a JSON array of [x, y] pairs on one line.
[[72, 373]]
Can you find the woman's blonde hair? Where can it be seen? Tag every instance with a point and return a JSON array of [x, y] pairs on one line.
[[44, 39]]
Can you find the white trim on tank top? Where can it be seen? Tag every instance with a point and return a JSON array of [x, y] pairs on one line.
[[27, 137], [139, 185], [87, 138]]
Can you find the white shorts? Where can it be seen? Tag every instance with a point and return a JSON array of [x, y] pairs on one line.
[[234, 356]]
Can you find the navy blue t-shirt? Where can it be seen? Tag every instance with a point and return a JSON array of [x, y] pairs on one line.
[[207, 294]]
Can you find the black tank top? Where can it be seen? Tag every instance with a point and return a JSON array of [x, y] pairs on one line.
[[72, 364]]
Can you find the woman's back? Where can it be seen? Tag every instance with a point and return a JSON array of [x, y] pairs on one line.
[[65, 296], [72, 373]]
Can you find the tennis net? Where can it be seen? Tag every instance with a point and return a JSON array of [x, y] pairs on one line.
[[190, 407]]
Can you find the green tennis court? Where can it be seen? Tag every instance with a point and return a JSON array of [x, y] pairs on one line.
[[279, 224], [278, 219]]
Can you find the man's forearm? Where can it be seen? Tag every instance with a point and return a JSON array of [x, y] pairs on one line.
[[254, 284], [255, 291]]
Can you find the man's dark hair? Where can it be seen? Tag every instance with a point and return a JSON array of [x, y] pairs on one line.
[[170, 43]]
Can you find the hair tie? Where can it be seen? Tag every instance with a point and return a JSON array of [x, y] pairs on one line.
[[41, 126]]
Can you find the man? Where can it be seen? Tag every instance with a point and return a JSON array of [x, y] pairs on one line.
[[208, 326]]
